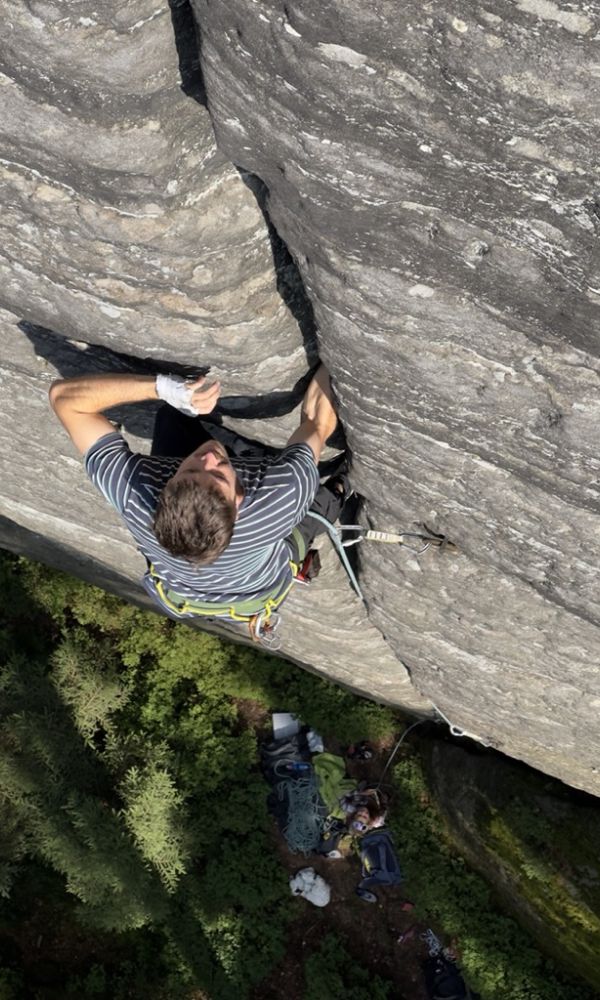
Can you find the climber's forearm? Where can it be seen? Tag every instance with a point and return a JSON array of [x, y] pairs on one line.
[[319, 418], [79, 403], [312, 434], [96, 393]]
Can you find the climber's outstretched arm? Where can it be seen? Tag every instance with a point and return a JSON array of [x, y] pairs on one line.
[[79, 402], [319, 418]]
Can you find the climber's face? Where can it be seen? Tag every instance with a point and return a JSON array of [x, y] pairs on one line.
[[210, 464]]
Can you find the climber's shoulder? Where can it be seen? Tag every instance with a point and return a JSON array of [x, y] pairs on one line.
[[84, 429]]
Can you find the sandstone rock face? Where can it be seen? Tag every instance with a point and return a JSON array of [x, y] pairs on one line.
[[434, 174], [123, 225], [125, 230]]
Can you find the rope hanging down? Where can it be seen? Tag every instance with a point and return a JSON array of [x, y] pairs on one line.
[[396, 748], [427, 536], [454, 731]]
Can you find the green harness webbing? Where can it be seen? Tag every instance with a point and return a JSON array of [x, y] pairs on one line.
[[240, 611]]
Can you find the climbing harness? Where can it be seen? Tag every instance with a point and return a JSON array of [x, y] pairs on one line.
[[260, 613]]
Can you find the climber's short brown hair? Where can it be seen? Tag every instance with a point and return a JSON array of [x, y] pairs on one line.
[[194, 521]]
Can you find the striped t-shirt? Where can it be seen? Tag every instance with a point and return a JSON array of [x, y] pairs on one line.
[[277, 494]]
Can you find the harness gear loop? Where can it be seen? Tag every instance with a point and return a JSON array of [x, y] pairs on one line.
[[263, 628], [242, 611]]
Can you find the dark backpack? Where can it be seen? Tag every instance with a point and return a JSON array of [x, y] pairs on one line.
[[444, 981], [379, 862]]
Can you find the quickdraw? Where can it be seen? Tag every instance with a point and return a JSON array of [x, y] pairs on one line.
[[399, 538], [367, 534]]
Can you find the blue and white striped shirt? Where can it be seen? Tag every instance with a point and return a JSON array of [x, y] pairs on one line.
[[277, 494]]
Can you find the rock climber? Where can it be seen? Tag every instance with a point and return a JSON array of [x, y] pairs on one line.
[[223, 536], [365, 809]]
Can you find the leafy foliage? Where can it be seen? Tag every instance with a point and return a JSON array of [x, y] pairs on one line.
[[330, 973], [499, 959], [125, 768], [132, 803], [547, 845]]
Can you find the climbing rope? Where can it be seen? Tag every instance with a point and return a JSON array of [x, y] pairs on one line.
[[396, 748], [454, 731], [367, 534], [304, 827], [336, 537], [457, 731]]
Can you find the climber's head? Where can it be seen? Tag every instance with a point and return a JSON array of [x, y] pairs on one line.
[[198, 507]]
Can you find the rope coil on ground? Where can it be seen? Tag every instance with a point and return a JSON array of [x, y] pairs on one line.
[[304, 827]]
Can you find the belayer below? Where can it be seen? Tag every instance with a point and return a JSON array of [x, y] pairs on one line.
[[223, 536]]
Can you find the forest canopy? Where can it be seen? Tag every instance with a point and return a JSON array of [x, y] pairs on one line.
[[135, 832]]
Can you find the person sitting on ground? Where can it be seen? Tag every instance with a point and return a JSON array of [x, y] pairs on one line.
[[365, 810], [221, 535]]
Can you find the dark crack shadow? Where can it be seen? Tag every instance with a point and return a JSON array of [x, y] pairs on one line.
[[290, 286], [289, 280], [187, 44], [188, 41], [74, 358]]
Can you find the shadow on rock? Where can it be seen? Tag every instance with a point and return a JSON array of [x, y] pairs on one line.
[[187, 44], [74, 358], [289, 280]]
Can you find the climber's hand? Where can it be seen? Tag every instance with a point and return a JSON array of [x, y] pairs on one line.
[[319, 402], [205, 395], [191, 396], [319, 418]]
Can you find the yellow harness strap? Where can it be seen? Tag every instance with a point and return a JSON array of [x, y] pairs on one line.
[[222, 610]]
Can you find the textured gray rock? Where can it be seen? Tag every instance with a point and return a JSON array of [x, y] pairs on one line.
[[434, 173], [122, 223], [51, 512]]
